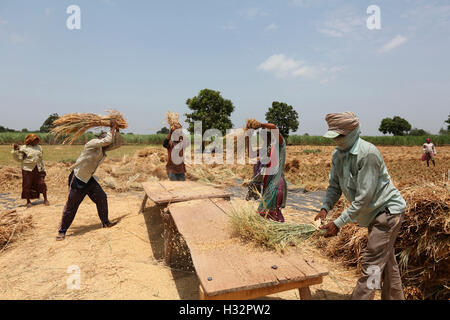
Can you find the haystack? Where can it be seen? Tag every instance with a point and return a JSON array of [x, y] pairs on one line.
[[73, 125]]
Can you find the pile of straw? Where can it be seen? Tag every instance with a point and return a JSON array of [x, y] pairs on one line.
[[73, 125], [11, 225], [173, 120], [422, 246], [247, 224]]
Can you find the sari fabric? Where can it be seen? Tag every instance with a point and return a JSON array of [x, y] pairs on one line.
[[274, 186]]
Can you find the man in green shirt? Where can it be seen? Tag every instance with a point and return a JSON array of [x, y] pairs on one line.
[[358, 171]]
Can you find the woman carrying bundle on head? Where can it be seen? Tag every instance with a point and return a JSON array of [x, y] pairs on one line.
[[274, 189], [33, 169], [175, 144]]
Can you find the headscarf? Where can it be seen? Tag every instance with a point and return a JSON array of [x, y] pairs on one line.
[[345, 143], [428, 140], [29, 139], [341, 123]]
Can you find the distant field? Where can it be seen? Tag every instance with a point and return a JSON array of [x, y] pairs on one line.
[[158, 139], [67, 153]]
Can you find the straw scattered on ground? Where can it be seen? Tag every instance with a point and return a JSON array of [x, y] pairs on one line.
[[12, 224]]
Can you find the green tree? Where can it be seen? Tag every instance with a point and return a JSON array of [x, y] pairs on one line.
[[47, 125], [211, 109], [397, 126], [418, 132], [25, 130], [284, 117], [448, 123], [164, 130]]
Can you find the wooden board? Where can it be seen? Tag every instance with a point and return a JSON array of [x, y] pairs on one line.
[[224, 264], [164, 192]]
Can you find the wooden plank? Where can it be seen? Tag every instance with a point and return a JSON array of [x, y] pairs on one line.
[[305, 293], [224, 264], [302, 286], [164, 192]]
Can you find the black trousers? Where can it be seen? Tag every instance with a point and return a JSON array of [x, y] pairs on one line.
[[77, 192]]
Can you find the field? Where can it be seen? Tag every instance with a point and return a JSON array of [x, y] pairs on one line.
[[157, 139], [111, 270]]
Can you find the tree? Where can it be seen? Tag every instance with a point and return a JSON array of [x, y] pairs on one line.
[[284, 117], [211, 109], [397, 126], [448, 123], [164, 130], [3, 129], [25, 130], [47, 125], [418, 132]]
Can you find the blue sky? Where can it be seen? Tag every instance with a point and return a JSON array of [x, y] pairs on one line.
[[147, 57]]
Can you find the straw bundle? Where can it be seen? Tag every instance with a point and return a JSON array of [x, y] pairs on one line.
[[252, 124], [76, 124], [249, 225], [173, 120], [11, 225], [422, 246]]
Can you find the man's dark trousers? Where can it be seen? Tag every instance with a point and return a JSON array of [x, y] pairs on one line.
[[77, 192]]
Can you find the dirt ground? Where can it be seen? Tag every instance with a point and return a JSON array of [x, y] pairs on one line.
[[125, 262]]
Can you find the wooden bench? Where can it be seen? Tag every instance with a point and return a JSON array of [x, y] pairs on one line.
[[227, 268], [165, 192]]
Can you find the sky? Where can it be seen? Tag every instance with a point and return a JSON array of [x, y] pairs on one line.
[[147, 57]]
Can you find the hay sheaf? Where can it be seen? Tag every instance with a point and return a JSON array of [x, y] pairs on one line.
[[173, 120], [247, 224], [73, 125], [422, 246], [12, 224]]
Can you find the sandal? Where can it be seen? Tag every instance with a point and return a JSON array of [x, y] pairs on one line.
[[60, 236]]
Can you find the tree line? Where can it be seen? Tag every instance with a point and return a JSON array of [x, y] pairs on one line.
[[214, 111]]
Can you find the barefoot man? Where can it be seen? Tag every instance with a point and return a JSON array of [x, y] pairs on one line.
[[82, 181], [358, 171]]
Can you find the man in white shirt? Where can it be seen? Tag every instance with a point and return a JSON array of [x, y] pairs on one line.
[[82, 182], [429, 151]]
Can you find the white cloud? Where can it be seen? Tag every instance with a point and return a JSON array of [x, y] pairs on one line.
[[394, 43], [342, 22], [253, 13], [301, 3], [48, 11], [284, 67], [228, 26], [17, 38], [271, 26]]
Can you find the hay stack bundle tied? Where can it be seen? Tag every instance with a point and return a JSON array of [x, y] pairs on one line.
[[252, 124], [73, 125], [173, 120]]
